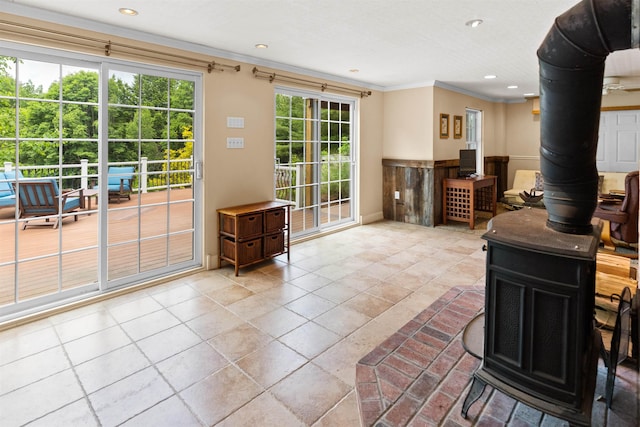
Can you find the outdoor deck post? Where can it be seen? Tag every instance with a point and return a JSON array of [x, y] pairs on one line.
[[142, 184], [84, 173]]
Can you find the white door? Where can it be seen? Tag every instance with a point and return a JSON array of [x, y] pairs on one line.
[[618, 140]]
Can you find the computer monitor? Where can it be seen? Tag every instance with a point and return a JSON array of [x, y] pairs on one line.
[[467, 162]]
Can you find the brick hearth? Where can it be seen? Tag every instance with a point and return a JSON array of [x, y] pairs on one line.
[[420, 376]]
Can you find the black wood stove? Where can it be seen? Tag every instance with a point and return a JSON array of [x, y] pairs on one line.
[[541, 347]]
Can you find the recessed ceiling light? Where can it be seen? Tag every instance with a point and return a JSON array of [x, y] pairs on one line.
[[529, 94], [490, 76], [262, 46], [354, 70], [127, 11], [512, 87], [474, 23]]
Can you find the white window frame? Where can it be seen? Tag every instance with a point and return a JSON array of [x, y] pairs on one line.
[[474, 136]]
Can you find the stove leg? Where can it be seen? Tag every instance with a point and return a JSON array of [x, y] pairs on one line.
[[477, 388]]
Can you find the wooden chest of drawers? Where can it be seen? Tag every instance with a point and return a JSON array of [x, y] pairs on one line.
[[252, 233]]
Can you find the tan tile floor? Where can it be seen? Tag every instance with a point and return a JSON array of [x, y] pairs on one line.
[[277, 345]]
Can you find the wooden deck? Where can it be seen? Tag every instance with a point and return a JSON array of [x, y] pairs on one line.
[[51, 260], [54, 260]]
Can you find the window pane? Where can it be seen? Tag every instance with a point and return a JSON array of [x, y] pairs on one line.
[[324, 111], [345, 115], [123, 122], [297, 152], [282, 152], [39, 119], [154, 91], [297, 130], [79, 121], [181, 125], [335, 132], [153, 124], [283, 131], [123, 88], [283, 105], [79, 84], [182, 94], [39, 153], [7, 76], [345, 131], [335, 191], [37, 78], [7, 118], [324, 131], [180, 165], [297, 107], [334, 111], [123, 151]]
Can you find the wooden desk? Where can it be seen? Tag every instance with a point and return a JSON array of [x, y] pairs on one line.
[[461, 197]]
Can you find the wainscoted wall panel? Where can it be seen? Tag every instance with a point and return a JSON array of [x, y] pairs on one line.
[[412, 189], [408, 191]]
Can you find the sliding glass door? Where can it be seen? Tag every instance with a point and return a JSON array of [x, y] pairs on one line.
[[150, 154], [97, 176], [315, 159], [48, 131]]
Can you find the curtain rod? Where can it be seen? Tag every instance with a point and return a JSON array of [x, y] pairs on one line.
[[323, 86], [110, 47]]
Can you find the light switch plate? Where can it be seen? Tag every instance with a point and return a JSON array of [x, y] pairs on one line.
[[235, 142], [397, 195], [235, 122]]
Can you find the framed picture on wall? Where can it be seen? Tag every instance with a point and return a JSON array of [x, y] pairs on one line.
[[457, 127], [444, 126]]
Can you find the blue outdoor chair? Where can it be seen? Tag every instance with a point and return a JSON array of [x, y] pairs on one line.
[[42, 198], [120, 182], [7, 195]]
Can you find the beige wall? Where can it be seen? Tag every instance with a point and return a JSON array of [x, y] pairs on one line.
[[408, 128], [508, 129], [238, 176], [621, 99], [522, 138], [411, 118], [370, 153], [454, 103]]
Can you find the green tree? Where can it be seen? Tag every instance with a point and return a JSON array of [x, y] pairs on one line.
[[144, 115]]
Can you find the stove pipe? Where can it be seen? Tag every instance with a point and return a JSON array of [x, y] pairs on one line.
[[572, 60]]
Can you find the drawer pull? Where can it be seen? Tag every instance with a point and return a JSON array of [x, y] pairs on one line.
[[249, 245], [251, 218]]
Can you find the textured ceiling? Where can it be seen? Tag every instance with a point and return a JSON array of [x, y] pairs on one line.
[[393, 43]]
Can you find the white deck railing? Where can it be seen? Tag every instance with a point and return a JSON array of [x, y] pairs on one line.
[[149, 176], [287, 181]]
